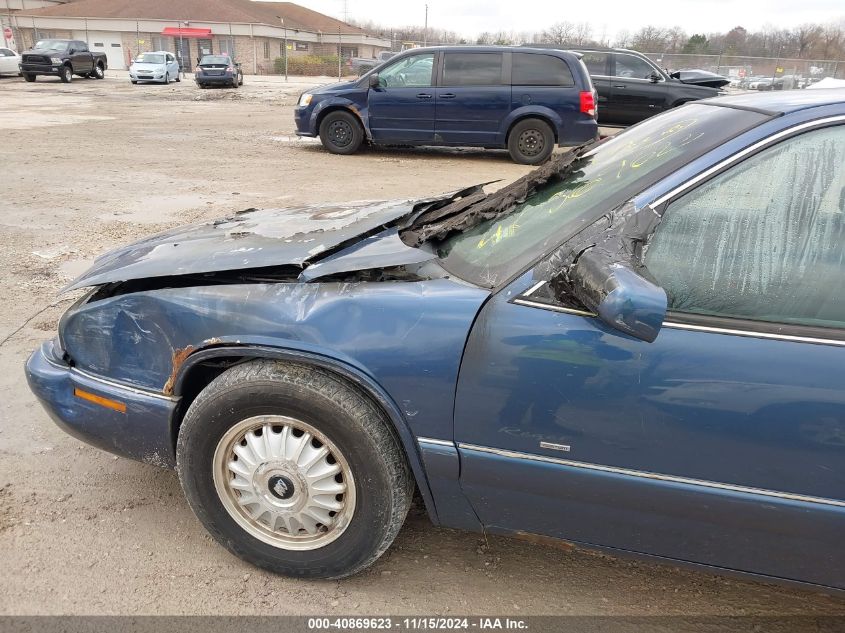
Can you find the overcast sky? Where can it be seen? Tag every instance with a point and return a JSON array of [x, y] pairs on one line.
[[471, 17]]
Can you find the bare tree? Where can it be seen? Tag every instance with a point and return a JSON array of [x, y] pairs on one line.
[[623, 39], [559, 34], [805, 36], [583, 33], [650, 39]]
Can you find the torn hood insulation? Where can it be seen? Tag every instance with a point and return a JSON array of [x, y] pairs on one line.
[[260, 239]]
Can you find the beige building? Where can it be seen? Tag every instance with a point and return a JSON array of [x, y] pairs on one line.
[[255, 33]]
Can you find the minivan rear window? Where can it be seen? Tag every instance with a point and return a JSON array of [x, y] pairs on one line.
[[472, 69], [531, 69]]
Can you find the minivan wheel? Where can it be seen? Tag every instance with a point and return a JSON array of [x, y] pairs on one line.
[[341, 132], [531, 142], [293, 470]]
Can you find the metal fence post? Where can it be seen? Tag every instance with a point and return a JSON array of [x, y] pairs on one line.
[[339, 52]]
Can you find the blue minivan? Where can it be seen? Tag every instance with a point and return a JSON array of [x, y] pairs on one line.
[[525, 100]]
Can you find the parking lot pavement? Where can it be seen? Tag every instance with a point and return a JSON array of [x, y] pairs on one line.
[[93, 164]]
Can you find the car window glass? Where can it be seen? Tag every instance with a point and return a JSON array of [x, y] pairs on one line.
[[632, 67], [763, 241], [472, 69], [539, 70], [603, 179], [414, 71], [596, 63], [5, 52]]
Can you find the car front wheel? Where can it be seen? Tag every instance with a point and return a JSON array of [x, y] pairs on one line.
[[341, 132], [66, 74], [531, 142], [293, 470], [29, 76]]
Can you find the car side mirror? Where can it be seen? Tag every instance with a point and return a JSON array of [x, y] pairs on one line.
[[374, 81], [623, 299], [654, 77], [71, 51]]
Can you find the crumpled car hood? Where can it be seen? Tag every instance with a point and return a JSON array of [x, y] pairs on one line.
[[701, 78], [250, 239]]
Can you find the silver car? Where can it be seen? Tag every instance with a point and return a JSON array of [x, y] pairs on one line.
[[158, 66]]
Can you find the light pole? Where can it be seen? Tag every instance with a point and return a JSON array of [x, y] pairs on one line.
[[284, 26], [425, 28]]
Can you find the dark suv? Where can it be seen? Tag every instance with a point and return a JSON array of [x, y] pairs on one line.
[[631, 87], [525, 100]]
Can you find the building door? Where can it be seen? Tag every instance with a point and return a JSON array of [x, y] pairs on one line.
[[106, 42], [204, 48], [183, 53]]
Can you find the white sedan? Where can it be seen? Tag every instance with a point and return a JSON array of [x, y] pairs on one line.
[[9, 62], [158, 66]]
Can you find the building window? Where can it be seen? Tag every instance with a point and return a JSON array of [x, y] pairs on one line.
[[159, 43], [301, 46], [267, 49], [43, 35], [348, 52], [227, 46]]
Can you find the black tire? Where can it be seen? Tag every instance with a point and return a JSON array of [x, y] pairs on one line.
[[99, 72], [166, 79], [383, 483], [234, 81], [66, 74], [178, 78], [241, 79], [29, 77], [531, 142], [341, 132], [134, 81]]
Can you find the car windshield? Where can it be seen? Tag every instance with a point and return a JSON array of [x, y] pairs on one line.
[[214, 59], [51, 45], [149, 58], [495, 250]]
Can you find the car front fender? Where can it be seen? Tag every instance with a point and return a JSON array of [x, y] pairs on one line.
[[358, 108], [347, 368]]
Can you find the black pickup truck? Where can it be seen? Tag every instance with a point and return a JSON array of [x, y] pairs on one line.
[[64, 59]]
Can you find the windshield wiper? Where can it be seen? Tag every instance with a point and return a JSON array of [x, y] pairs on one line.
[[461, 213]]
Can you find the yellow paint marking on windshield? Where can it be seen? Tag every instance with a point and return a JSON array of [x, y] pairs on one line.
[[501, 233]]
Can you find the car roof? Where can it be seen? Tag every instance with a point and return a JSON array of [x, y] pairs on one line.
[[494, 49], [784, 101]]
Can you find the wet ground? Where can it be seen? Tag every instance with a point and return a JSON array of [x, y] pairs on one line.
[[90, 165]]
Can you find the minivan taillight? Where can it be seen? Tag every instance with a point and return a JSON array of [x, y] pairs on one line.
[[588, 103]]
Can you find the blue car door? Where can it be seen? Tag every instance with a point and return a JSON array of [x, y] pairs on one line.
[[723, 441], [473, 99], [401, 107]]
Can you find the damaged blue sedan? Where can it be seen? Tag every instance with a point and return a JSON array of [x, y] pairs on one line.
[[636, 347]]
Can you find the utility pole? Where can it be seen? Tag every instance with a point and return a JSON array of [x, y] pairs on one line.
[[284, 26], [425, 28]]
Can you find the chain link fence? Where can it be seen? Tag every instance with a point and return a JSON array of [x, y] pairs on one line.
[[759, 73]]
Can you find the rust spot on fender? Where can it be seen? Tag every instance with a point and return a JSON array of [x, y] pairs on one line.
[[179, 358]]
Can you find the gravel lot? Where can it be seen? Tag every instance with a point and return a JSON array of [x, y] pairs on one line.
[[87, 166]]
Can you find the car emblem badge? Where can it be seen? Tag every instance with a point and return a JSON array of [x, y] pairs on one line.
[[280, 487]]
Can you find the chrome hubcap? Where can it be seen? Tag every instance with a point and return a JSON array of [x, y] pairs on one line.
[[284, 482]]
